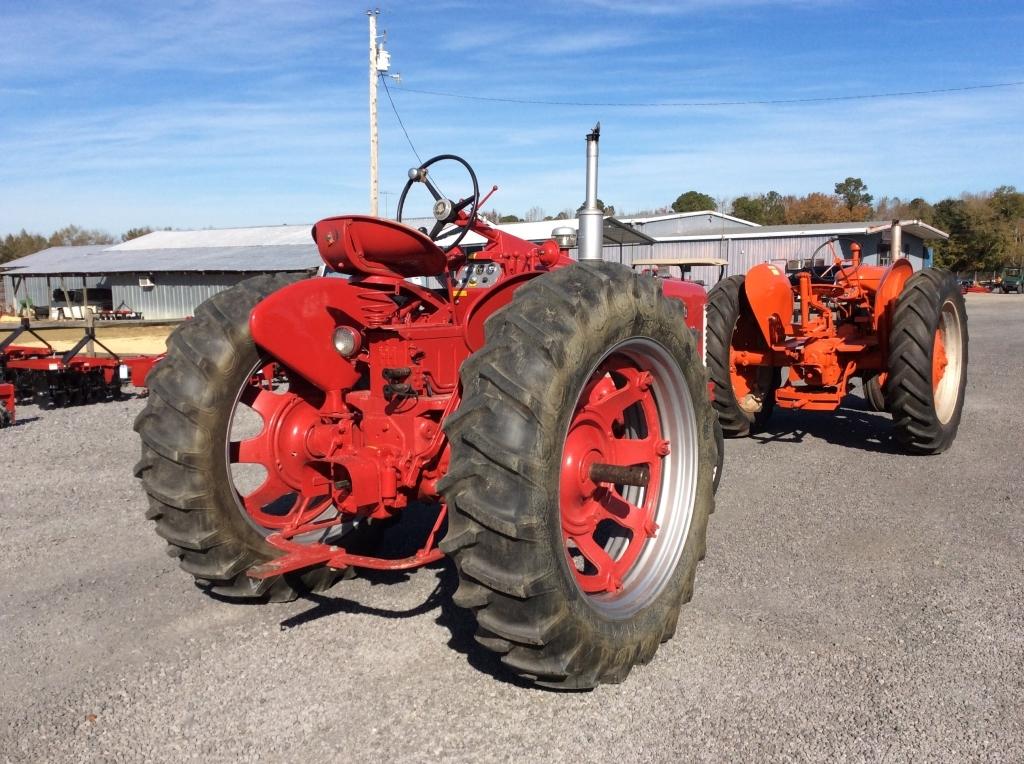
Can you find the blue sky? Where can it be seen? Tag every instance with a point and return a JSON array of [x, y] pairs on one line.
[[196, 114]]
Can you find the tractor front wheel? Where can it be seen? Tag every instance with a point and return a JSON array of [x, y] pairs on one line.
[[873, 392], [214, 414], [927, 362], [744, 395], [581, 475]]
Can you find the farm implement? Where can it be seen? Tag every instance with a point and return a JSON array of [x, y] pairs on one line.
[[904, 334], [56, 379], [549, 420], [6, 404]]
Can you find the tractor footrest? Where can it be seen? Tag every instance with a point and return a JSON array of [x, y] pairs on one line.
[[809, 399]]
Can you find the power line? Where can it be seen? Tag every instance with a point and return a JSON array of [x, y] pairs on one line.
[[697, 104], [387, 90]]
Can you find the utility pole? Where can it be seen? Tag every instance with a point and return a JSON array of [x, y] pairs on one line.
[[380, 63], [373, 109]]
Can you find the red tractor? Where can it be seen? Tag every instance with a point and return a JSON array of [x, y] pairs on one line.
[[904, 334], [550, 419], [6, 404]]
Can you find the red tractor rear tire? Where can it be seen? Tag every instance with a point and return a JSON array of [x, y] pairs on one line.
[[730, 317], [192, 393], [588, 344], [927, 362]]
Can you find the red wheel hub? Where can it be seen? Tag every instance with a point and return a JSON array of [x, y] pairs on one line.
[[615, 426], [293, 491]]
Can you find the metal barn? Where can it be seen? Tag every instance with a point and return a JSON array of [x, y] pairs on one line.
[[744, 246], [164, 275]]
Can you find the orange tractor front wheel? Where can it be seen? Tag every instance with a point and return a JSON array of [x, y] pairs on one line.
[[744, 394]]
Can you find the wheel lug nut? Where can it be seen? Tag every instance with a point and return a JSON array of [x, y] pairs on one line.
[[662, 448]]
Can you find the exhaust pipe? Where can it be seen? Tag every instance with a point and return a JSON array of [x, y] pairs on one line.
[[896, 241], [591, 219]]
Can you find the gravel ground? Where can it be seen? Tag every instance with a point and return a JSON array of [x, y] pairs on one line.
[[855, 604]]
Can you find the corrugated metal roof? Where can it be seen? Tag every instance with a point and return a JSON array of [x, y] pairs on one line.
[[93, 260], [57, 257], [915, 227], [260, 236], [678, 215]]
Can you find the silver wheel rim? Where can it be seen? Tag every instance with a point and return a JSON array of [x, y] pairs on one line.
[[653, 569], [947, 393]]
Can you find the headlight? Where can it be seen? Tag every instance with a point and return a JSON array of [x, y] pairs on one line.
[[346, 341]]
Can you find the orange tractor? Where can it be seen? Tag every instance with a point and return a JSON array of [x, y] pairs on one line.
[[904, 334]]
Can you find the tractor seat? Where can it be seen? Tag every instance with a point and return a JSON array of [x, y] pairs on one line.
[[820, 274], [361, 244]]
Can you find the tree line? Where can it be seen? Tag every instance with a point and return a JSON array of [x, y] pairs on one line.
[[23, 243]]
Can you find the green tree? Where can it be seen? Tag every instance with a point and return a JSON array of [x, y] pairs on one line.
[[510, 219], [918, 209], [774, 208], [1008, 203], [134, 233], [18, 245], [766, 209], [694, 201], [75, 236], [976, 241], [854, 193], [748, 208]]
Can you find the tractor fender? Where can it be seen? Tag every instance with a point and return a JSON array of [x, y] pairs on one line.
[[486, 306], [770, 297], [693, 297], [889, 289], [296, 325]]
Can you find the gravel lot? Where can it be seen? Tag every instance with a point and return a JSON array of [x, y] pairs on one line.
[[855, 604]]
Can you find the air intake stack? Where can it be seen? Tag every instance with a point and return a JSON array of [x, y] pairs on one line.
[[591, 232]]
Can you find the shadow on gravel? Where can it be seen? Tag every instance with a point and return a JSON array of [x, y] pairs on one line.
[[401, 540], [325, 605], [853, 425]]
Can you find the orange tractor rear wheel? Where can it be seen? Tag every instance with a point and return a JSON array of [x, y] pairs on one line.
[[927, 374]]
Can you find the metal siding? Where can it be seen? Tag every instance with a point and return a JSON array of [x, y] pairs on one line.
[[744, 254], [174, 295], [36, 289]]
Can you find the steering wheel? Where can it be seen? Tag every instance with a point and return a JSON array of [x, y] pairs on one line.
[[445, 210]]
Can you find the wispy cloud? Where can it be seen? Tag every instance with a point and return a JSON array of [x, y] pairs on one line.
[[689, 7], [213, 112]]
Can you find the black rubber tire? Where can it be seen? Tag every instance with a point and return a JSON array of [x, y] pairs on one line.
[[720, 447], [727, 300], [908, 390], [874, 394], [183, 466], [502, 490]]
